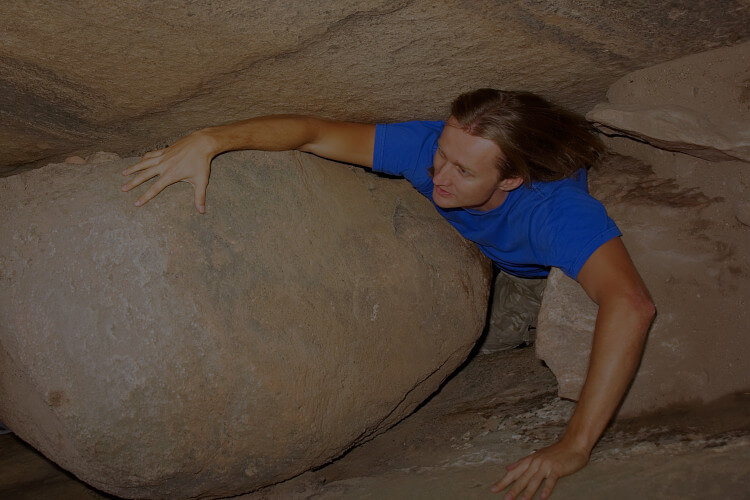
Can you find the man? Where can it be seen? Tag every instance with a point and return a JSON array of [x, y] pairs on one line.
[[506, 171]]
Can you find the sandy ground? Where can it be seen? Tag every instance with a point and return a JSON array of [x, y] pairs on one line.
[[496, 409]]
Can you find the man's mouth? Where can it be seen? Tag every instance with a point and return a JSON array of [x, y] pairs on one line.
[[441, 191]]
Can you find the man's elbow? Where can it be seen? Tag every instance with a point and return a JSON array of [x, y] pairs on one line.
[[642, 306], [635, 306], [647, 310]]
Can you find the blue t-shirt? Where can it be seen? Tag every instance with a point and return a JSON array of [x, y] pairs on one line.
[[547, 224]]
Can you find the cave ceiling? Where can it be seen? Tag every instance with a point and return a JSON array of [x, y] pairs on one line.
[[76, 77]]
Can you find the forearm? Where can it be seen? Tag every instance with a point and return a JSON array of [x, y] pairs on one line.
[[619, 336], [625, 314], [268, 133], [346, 142]]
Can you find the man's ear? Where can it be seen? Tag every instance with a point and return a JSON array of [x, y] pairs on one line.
[[510, 183]]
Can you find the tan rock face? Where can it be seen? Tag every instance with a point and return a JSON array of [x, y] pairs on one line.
[[158, 353], [699, 105], [127, 76], [684, 220], [691, 251]]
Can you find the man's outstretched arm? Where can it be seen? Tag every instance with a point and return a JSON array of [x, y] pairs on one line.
[[625, 314], [189, 159]]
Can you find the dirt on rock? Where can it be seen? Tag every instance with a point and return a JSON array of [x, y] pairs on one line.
[[130, 76], [161, 353], [496, 409]]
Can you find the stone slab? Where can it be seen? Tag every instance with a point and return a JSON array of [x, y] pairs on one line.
[[160, 353]]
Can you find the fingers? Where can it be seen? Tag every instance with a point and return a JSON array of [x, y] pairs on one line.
[[143, 164], [534, 482], [154, 154], [513, 465], [152, 191], [529, 483], [153, 164], [200, 197], [161, 183], [526, 479], [140, 179], [526, 476], [189, 160], [513, 473], [546, 466], [549, 485]]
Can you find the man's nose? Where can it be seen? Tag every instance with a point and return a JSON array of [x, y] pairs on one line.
[[441, 175]]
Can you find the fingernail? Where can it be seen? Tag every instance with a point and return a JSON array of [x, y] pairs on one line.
[[124, 172], [201, 209], [137, 203], [124, 187]]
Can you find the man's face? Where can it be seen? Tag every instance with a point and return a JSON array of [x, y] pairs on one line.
[[465, 174]]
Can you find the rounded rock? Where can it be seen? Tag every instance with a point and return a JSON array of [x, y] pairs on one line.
[[156, 352]]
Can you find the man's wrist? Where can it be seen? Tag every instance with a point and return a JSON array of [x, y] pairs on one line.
[[210, 140], [578, 441]]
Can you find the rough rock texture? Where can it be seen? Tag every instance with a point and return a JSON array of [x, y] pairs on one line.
[[699, 105], [495, 410], [130, 75], [156, 352], [691, 249], [686, 223]]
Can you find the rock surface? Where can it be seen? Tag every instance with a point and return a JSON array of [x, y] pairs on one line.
[[158, 353], [495, 410], [684, 220], [691, 250], [699, 105], [129, 76]]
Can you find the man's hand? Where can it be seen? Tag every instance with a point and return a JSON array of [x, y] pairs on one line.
[[189, 160], [546, 465], [625, 313]]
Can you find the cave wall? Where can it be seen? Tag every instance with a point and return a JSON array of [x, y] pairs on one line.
[[80, 76], [677, 186]]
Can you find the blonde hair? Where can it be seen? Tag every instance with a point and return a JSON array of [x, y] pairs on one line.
[[540, 141]]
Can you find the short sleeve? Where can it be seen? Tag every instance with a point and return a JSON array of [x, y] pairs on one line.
[[407, 150], [574, 227]]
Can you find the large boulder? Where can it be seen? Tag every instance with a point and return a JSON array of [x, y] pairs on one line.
[[696, 105], [685, 219], [127, 75], [158, 353]]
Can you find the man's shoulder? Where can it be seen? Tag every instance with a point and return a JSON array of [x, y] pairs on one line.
[[407, 149], [567, 204], [572, 186], [413, 128], [430, 124]]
